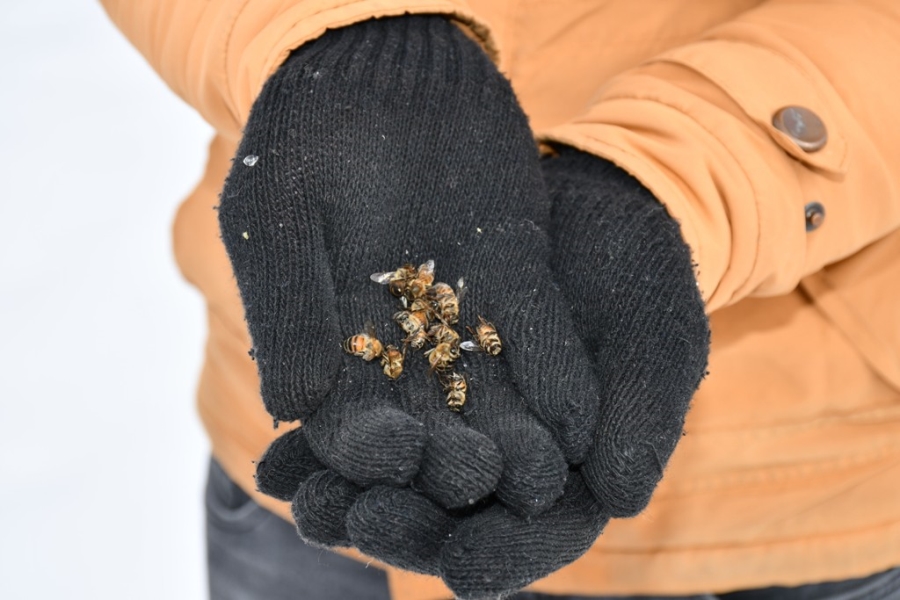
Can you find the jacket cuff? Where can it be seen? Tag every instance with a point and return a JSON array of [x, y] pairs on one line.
[[704, 137]]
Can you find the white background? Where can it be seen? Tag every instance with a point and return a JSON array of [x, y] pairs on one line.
[[102, 457]]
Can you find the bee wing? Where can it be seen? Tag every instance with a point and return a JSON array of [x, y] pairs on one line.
[[383, 278], [427, 268], [370, 329], [461, 290], [469, 346]]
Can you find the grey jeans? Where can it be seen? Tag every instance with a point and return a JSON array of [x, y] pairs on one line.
[[254, 555]]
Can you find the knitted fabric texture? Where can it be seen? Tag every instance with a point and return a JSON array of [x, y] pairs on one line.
[[622, 263], [397, 141]]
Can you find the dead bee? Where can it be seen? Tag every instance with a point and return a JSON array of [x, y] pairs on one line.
[[445, 301], [441, 333], [486, 336], [414, 324], [395, 280], [442, 356], [392, 361], [364, 345], [416, 340], [421, 283], [455, 386], [419, 305], [407, 280]]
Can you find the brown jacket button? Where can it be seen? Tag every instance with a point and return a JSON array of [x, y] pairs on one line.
[[803, 126], [815, 215]]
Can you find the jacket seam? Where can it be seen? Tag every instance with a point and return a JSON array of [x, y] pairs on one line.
[[803, 539], [768, 474], [876, 416]]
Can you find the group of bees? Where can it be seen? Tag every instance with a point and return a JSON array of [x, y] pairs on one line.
[[428, 312]]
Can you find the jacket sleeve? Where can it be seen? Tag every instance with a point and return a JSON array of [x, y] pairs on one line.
[[217, 55], [696, 126]]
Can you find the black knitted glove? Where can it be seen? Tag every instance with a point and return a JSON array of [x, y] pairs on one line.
[[623, 265], [483, 552], [621, 262], [397, 141]]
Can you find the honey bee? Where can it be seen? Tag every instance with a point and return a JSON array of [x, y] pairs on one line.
[[392, 361], [395, 280], [421, 283], [486, 336], [441, 333], [414, 323], [455, 386], [445, 301], [407, 280], [419, 306], [364, 345], [442, 356]]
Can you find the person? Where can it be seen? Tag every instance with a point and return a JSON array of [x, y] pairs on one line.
[[729, 168]]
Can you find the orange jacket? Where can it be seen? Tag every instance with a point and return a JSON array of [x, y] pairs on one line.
[[790, 471]]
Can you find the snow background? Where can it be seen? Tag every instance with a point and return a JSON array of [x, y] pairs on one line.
[[102, 456]]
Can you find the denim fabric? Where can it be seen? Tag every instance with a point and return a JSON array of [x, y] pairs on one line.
[[253, 554], [881, 586]]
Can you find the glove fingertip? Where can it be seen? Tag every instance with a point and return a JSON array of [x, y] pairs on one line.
[[286, 463], [496, 553], [459, 467], [623, 476], [400, 527], [379, 446], [532, 482], [320, 509]]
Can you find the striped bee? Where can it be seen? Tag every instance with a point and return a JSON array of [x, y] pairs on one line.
[[455, 386], [365, 345], [445, 301], [486, 338], [392, 361], [414, 323], [442, 356], [407, 281], [441, 333]]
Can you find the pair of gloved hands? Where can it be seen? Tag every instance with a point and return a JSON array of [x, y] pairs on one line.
[[396, 141]]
